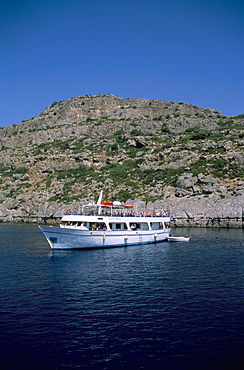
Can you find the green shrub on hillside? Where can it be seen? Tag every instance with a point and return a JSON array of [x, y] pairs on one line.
[[168, 176], [165, 129], [119, 136], [123, 195], [136, 132], [80, 173], [7, 171], [218, 167]]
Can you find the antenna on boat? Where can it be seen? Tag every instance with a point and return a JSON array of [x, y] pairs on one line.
[[99, 201]]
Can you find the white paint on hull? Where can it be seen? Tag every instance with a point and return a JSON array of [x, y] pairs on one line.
[[60, 238]]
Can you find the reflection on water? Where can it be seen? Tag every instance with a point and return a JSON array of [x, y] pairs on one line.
[[169, 305]]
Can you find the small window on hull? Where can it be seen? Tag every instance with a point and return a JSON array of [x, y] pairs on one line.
[[53, 240]]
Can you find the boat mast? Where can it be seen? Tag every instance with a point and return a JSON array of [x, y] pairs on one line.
[[99, 202]]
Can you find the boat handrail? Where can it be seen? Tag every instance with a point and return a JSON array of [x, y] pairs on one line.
[[114, 215]]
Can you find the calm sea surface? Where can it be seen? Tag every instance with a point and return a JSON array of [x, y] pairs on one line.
[[163, 306]]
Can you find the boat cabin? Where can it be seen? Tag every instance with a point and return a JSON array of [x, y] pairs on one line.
[[119, 225], [114, 216]]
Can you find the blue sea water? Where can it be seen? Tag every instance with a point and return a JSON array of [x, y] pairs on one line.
[[161, 306]]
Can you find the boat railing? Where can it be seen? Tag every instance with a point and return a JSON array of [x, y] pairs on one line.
[[118, 215]]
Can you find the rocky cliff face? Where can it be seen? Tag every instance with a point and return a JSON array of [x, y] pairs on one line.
[[152, 153]]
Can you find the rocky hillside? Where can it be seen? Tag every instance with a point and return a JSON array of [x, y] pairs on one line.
[[152, 153]]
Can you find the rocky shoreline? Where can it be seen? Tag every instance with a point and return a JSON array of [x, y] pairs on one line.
[[212, 211]]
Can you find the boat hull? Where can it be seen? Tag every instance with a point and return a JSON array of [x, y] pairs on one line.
[[65, 238]]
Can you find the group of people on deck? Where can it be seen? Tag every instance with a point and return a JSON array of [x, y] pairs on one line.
[[122, 214]]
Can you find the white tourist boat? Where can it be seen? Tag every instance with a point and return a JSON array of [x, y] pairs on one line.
[[106, 225]]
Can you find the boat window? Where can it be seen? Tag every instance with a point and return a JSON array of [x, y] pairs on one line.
[[82, 225], [97, 226], [139, 226], [167, 224], [118, 226], [143, 226], [156, 225]]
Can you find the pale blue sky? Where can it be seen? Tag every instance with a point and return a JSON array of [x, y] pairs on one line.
[[176, 50]]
